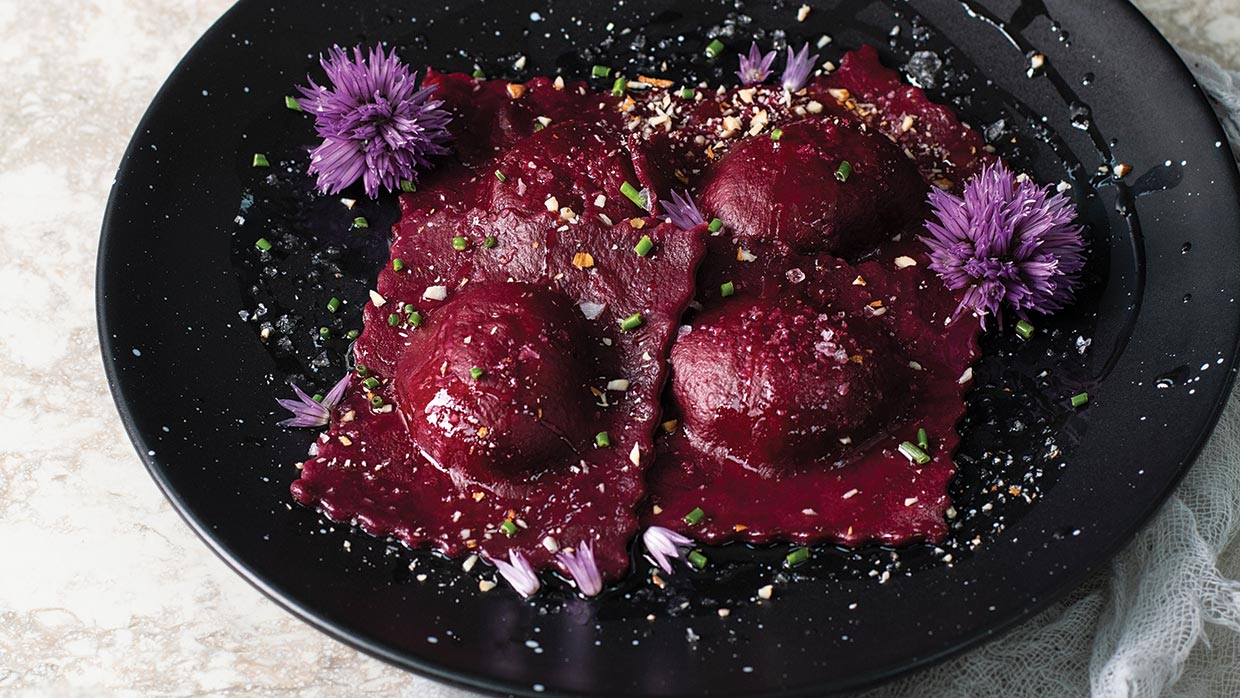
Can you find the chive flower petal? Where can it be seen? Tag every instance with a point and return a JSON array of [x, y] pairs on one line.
[[307, 412], [798, 68], [375, 122], [756, 67], [580, 566], [662, 544], [681, 210], [518, 573]]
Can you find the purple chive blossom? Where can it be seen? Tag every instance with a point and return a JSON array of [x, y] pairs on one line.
[[518, 573], [307, 412], [1008, 241], [376, 124], [682, 212], [663, 543], [755, 67], [800, 65], [581, 567]]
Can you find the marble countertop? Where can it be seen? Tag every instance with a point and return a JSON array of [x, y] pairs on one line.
[[103, 590]]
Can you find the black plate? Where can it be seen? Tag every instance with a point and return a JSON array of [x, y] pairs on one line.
[[180, 289]]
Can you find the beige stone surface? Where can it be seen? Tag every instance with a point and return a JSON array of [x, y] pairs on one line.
[[103, 591]]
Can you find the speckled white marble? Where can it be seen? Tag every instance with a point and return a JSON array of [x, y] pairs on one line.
[[103, 590]]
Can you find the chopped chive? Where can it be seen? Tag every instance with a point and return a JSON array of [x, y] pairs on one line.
[[333, 305], [260, 160], [715, 225], [914, 453], [508, 528], [695, 517], [476, 373], [478, 73], [1024, 329], [602, 440], [500, 176], [644, 246], [688, 93], [361, 370], [631, 322], [1080, 399], [777, 134], [291, 103], [697, 559], [408, 308], [415, 319], [538, 126], [727, 288], [376, 401], [923, 439], [317, 397], [360, 222], [325, 332], [407, 185], [393, 320], [617, 87], [460, 244], [843, 171], [353, 334], [796, 557], [262, 244], [398, 264], [600, 71], [714, 48], [371, 383], [632, 194], [490, 241]]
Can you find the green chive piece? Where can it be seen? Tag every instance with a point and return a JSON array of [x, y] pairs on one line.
[[376, 401], [644, 246], [777, 134], [353, 334], [923, 439], [291, 103], [407, 185], [508, 528], [500, 176], [600, 71], [714, 48], [796, 557], [697, 559], [632, 194], [914, 453], [361, 370], [538, 126], [393, 320], [715, 225], [333, 305], [727, 288], [618, 87], [695, 517], [361, 222], [490, 241], [1024, 329], [317, 397], [325, 332], [262, 244], [260, 160], [478, 73], [408, 308], [415, 319], [1080, 400], [476, 373], [460, 244], [688, 93], [843, 171], [371, 383], [631, 322], [398, 264], [602, 440]]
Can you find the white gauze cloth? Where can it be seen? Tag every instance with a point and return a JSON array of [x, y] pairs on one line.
[[1164, 619]]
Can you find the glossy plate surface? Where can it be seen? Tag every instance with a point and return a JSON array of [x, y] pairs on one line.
[[183, 303]]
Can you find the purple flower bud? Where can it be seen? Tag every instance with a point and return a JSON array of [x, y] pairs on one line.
[[800, 65], [682, 211], [755, 67], [518, 573], [580, 565], [663, 543]]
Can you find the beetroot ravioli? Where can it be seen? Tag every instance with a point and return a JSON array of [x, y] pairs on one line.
[[703, 312]]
